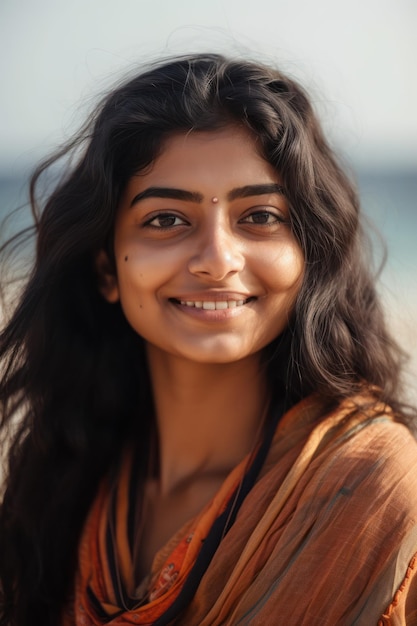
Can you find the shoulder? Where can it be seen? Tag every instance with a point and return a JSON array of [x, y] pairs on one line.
[[353, 469], [380, 453], [371, 460], [357, 441]]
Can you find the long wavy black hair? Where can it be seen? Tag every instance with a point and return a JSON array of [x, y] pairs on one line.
[[75, 373]]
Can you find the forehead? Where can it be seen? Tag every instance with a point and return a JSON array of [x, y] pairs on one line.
[[228, 157]]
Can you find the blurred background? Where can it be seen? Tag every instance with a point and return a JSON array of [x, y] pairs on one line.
[[357, 59]]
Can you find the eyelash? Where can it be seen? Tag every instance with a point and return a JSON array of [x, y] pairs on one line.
[[162, 216], [276, 218], [244, 220]]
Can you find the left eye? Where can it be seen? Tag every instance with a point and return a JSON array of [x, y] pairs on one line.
[[165, 220], [261, 217]]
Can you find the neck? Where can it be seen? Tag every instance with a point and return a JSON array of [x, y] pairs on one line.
[[208, 416]]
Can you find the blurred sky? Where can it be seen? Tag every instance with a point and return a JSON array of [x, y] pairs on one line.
[[358, 58]]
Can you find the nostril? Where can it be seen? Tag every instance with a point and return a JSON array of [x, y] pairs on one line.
[[216, 259]]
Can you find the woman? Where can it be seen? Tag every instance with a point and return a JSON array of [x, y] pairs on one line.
[[212, 431]]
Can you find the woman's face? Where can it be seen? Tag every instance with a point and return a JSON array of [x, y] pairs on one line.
[[207, 268]]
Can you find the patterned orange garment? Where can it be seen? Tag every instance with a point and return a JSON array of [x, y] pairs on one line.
[[326, 536]]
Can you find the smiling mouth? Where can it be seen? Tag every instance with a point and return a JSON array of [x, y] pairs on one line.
[[213, 305]]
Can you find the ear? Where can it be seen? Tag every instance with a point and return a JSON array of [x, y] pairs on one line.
[[106, 277]]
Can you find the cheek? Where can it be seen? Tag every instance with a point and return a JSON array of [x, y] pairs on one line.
[[284, 269], [141, 269]]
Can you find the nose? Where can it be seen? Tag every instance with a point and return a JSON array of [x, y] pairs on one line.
[[218, 254]]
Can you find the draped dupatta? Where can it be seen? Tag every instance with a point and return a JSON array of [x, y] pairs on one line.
[[318, 526]]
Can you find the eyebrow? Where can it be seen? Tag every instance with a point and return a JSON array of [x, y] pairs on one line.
[[168, 192], [195, 196], [255, 190]]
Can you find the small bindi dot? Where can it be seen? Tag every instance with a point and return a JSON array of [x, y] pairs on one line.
[[215, 200]]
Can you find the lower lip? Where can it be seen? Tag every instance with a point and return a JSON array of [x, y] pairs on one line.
[[216, 315]]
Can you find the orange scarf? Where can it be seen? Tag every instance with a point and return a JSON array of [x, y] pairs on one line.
[[326, 536]]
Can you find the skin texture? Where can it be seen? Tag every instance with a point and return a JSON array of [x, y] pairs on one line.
[[170, 250]]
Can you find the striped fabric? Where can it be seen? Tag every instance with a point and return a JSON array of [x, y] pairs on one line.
[[325, 533]]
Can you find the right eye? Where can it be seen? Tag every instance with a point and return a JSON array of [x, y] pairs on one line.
[[165, 220]]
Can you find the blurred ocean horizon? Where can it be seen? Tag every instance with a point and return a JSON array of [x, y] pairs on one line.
[[389, 202]]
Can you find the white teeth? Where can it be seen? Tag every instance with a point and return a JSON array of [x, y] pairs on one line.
[[213, 306]]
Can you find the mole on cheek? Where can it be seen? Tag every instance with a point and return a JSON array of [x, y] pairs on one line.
[[126, 258]]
